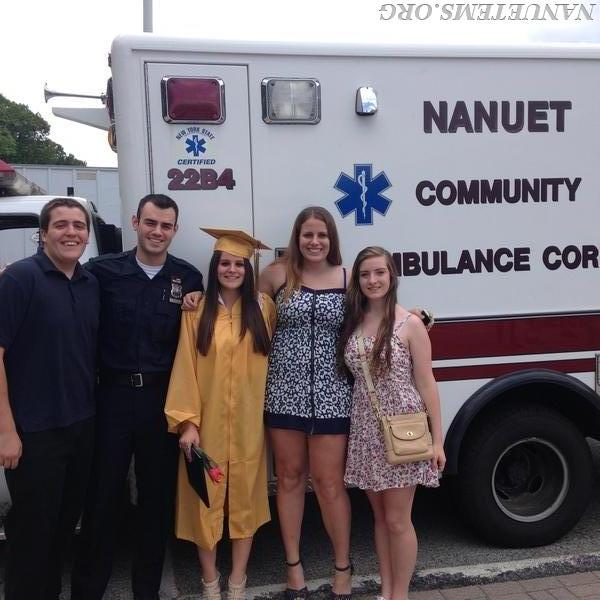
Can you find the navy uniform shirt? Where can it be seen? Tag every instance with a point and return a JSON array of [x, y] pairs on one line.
[[140, 317], [48, 329]]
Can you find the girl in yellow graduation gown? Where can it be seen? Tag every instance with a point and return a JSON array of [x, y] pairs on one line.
[[215, 401]]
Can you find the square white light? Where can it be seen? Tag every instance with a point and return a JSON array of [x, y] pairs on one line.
[[291, 100]]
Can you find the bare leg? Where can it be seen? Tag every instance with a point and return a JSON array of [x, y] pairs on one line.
[[327, 459], [240, 552], [382, 543], [291, 465], [397, 505], [208, 564], [211, 584]]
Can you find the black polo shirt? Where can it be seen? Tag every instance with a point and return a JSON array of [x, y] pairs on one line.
[[48, 329], [140, 317]]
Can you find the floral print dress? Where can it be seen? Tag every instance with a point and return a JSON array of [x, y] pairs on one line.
[[366, 466]]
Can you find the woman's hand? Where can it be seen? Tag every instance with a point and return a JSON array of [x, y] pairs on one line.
[[191, 300], [438, 461], [425, 315], [188, 437]]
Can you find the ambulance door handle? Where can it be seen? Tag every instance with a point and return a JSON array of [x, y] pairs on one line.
[[366, 101]]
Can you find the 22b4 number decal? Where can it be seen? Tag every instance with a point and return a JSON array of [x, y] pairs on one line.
[[200, 179]]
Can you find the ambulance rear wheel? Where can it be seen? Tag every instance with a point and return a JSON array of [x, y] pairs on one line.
[[525, 477]]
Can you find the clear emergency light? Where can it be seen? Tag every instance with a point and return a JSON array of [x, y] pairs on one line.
[[291, 100], [193, 100]]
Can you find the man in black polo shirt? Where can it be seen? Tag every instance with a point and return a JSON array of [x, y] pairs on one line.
[[50, 308], [141, 295]]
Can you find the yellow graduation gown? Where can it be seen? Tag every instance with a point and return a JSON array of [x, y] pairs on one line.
[[223, 395]]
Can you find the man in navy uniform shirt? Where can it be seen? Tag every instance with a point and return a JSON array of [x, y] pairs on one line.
[[48, 333], [141, 296]]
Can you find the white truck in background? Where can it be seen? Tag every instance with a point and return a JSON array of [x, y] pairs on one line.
[[19, 227], [100, 185], [476, 166]]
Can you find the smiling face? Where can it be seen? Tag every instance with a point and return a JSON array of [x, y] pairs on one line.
[[66, 237], [374, 277], [230, 271], [313, 241], [155, 229]]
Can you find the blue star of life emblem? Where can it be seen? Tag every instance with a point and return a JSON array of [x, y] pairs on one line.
[[195, 145], [363, 194]]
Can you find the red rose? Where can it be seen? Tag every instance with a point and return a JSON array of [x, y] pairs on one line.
[[215, 474]]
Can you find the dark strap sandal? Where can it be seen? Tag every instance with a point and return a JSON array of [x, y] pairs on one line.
[[348, 567], [291, 593]]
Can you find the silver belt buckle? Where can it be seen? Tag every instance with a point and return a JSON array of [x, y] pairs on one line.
[[137, 380]]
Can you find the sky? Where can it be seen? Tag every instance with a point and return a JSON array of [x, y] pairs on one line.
[[65, 43]]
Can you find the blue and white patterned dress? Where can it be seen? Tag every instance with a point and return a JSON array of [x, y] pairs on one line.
[[305, 392]]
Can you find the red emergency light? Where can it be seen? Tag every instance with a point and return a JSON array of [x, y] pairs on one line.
[[7, 177], [5, 168], [193, 100], [13, 183]]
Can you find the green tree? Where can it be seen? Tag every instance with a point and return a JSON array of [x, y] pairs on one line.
[[24, 138]]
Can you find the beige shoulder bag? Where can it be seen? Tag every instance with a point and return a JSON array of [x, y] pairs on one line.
[[406, 437]]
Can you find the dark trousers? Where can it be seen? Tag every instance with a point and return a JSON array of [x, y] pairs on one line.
[[47, 490], [130, 422]]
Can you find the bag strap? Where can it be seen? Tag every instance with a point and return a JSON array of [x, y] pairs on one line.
[[365, 367]]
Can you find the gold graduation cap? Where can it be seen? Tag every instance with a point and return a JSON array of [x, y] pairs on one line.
[[238, 243], [235, 241]]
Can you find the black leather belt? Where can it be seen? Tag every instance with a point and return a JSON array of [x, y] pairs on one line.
[[134, 380]]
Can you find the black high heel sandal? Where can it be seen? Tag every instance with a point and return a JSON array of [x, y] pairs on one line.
[[291, 593], [349, 567]]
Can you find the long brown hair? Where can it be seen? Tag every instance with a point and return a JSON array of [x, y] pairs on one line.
[[356, 304], [252, 319], [293, 257]]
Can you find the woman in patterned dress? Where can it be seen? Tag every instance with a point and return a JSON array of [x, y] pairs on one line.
[[307, 404], [399, 354]]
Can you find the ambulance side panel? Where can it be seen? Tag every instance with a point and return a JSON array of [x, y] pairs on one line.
[[478, 172]]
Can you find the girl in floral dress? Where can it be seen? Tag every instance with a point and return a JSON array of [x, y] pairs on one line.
[[399, 354]]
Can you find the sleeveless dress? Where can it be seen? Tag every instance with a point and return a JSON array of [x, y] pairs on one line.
[[366, 466], [304, 389]]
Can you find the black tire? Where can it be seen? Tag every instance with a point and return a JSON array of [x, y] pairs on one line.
[[525, 476]]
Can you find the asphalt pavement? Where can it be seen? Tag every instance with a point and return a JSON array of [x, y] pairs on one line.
[[575, 586], [451, 557]]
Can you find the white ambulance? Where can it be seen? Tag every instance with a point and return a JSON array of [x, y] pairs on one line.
[[478, 167]]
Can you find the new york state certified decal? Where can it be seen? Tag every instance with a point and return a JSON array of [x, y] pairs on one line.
[[195, 166], [363, 194]]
